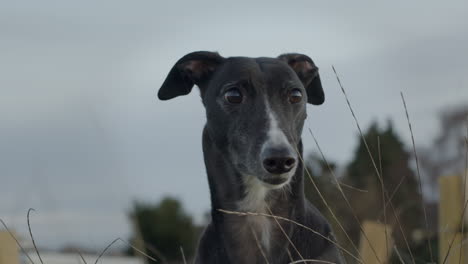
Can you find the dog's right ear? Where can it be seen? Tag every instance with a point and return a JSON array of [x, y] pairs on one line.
[[194, 68]]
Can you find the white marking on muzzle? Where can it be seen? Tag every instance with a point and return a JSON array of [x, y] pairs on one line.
[[256, 191], [275, 136]]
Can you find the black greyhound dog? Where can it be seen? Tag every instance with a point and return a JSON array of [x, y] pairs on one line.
[[255, 109]]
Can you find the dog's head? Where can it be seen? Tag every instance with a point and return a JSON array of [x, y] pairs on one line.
[[255, 107]]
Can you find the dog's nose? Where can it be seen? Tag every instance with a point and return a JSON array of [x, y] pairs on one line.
[[279, 165]]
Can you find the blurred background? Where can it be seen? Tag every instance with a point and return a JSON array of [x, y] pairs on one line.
[[85, 142]]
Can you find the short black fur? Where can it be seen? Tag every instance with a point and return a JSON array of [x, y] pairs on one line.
[[238, 139]]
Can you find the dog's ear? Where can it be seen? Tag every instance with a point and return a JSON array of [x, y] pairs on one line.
[[193, 68], [308, 74]]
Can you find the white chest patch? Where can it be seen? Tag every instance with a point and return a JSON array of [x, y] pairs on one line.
[[254, 201]]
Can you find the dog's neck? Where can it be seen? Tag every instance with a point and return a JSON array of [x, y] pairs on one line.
[[245, 193]]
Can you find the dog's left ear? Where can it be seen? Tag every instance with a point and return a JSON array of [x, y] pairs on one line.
[[194, 68], [308, 74]]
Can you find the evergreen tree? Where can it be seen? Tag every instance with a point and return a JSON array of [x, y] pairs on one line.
[[361, 185], [164, 228], [399, 180]]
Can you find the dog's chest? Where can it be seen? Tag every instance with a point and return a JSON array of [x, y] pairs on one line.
[[261, 229], [257, 226]]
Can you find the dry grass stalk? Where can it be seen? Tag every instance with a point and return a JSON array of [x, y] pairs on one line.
[[383, 195], [259, 246], [326, 204], [105, 249], [373, 161], [32, 237], [285, 234], [345, 198], [137, 249], [81, 256], [398, 255], [295, 223], [183, 255], [312, 260], [419, 175], [289, 254], [351, 187]]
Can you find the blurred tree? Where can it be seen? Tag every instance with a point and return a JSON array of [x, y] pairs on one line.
[[363, 189], [164, 228], [400, 182], [447, 153]]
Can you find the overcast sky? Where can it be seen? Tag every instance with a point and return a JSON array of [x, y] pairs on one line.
[[82, 132]]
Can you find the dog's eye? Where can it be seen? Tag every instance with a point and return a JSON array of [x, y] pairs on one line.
[[295, 96], [233, 96]]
